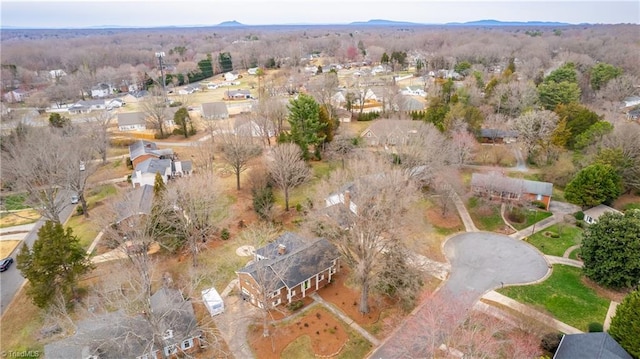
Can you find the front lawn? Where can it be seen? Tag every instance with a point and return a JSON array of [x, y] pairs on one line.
[[528, 217], [486, 215], [567, 236], [564, 296]]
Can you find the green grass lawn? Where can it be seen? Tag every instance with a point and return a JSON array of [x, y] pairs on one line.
[[14, 202], [486, 215], [568, 236], [531, 218], [85, 230], [565, 297]]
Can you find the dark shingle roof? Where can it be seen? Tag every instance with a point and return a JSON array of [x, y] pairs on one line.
[[590, 345], [137, 201], [154, 165], [116, 335], [131, 118], [215, 110], [303, 259], [143, 147]]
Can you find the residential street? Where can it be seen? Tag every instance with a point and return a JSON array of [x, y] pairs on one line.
[[11, 280]]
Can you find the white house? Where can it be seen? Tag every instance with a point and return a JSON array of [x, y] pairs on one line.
[[413, 92], [145, 172], [187, 90], [101, 90], [230, 76], [87, 106], [131, 121], [631, 101], [56, 74], [15, 96], [253, 71]]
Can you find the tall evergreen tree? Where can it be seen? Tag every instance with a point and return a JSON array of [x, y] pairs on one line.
[[625, 325], [306, 127], [53, 265]]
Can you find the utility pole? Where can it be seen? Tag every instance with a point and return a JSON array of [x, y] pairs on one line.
[[160, 56]]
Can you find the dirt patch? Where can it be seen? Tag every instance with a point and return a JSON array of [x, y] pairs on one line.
[[327, 334], [448, 221], [626, 199], [346, 297], [604, 292]]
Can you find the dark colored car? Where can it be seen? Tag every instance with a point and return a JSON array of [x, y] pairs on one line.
[[5, 264]]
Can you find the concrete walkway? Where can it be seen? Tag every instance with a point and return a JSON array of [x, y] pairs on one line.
[[469, 226], [532, 313], [346, 319], [537, 227], [563, 260], [567, 253]]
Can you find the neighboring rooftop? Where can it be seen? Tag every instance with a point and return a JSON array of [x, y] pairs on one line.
[[590, 345]]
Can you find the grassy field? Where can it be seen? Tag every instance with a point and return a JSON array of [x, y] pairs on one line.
[[565, 297], [567, 236], [25, 216], [6, 247]]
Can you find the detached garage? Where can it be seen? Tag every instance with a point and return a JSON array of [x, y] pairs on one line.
[[213, 301]]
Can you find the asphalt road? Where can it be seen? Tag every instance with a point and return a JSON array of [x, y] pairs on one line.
[[480, 262], [11, 280]]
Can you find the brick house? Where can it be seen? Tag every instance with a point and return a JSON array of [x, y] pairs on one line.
[[496, 186], [288, 269]]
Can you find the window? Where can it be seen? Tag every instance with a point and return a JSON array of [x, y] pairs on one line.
[[332, 270], [168, 334], [187, 344], [171, 349], [306, 284], [539, 197], [321, 277], [293, 292], [275, 293], [277, 302]]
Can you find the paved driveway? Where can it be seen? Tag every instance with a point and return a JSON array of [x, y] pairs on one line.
[[480, 261]]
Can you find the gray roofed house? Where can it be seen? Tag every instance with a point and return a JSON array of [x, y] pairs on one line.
[[384, 132], [410, 103], [290, 267], [494, 135], [116, 335], [590, 345], [142, 150], [215, 111], [145, 172], [136, 202], [497, 186], [132, 121], [86, 106]]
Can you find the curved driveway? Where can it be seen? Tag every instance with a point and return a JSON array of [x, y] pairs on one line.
[[480, 262]]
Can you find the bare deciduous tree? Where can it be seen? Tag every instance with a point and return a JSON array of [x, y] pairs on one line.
[[287, 169], [155, 108], [237, 151], [367, 208], [535, 128], [99, 123], [194, 207], [41, 161]]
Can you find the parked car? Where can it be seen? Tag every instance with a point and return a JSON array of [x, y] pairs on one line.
[[5, 264], [74, 199]]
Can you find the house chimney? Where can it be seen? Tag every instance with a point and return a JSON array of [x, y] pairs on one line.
[[347, 199], [282, 249]]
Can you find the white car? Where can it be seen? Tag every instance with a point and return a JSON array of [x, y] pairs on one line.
[[74, 199]]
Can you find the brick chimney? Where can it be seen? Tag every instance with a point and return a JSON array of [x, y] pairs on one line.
[[347, 199], [282, 249]]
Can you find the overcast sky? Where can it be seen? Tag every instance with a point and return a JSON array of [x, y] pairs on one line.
[[142, 13]]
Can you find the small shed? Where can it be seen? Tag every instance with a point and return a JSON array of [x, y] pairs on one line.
[[213, 301]]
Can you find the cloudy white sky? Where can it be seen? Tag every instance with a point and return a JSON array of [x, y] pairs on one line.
[[142, 13]]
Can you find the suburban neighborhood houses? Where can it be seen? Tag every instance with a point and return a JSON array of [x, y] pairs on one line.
[[353, 191]]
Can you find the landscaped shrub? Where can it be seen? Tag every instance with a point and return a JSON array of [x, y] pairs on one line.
[[550, 342], [539, 204], [516, 215], [595, 327], [295, 306], [368, 116], [129, 163], [579, 215], [630, 206], [224, 234]]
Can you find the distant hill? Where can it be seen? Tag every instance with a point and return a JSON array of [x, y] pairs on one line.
[[507, 23], [381, 22], [230, 23]]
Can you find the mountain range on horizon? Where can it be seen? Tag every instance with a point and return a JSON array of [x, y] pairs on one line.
[[372, 22]]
